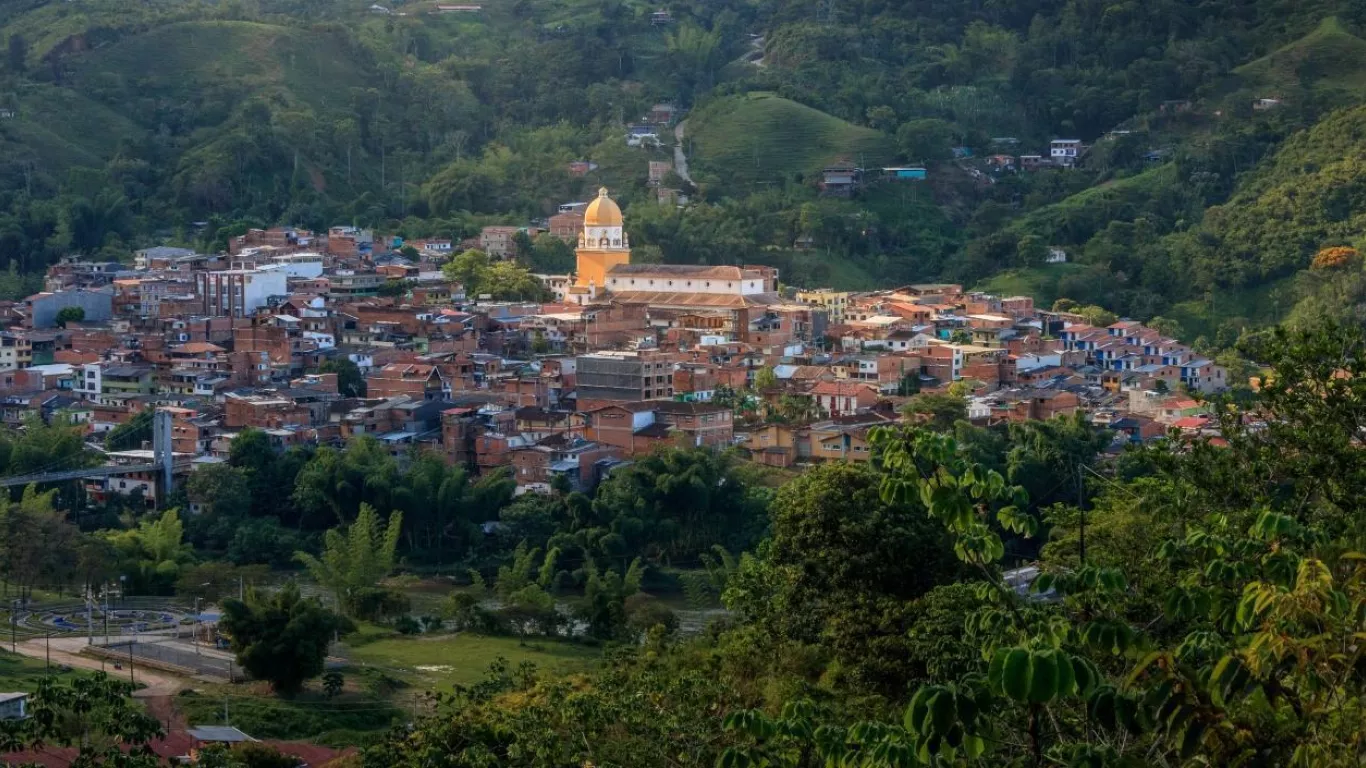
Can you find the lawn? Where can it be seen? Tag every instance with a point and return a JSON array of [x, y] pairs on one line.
[[438, 662], [21, 673], [1039, 282]]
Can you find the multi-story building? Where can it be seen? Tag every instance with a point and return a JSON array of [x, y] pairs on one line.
[[15, 351], [501, 242], [567, 225], [344, 284], [619, 377], [833, 302], [1064, 152], [238, 292]]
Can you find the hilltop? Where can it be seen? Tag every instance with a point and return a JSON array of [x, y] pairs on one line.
[[761, 137], [1331, 61]]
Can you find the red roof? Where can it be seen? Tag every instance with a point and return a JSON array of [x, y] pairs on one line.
[[1191, 422], [841, 388]]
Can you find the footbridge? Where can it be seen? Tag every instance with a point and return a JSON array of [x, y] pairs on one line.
[[162, 462]]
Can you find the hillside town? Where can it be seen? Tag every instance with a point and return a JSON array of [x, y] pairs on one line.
[[287, 333]]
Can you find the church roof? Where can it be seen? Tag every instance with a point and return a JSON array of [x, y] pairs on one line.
[[679, 270], [602, 212], [684, 300]]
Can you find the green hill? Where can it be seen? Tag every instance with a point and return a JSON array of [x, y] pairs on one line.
[[57, 129], [1330, 59], [760, 137], [208, 60]]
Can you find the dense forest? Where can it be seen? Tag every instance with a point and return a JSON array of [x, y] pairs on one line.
[[185, 122]]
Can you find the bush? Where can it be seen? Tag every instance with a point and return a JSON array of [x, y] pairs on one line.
[[468, 615], [377, 604], [407, 625], [644, 613]]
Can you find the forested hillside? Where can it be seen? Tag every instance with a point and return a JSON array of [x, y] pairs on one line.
[[186, 121]]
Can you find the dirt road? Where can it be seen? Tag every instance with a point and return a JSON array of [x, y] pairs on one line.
[[66, 650]]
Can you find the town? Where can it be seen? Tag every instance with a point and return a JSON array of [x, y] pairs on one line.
[[288, 333]]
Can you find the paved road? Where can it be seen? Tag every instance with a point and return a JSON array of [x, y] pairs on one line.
[[680, 159]]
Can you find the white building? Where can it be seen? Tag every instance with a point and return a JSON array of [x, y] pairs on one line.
[[687, 278], [1065, 151], [90, 380], [239, 292]]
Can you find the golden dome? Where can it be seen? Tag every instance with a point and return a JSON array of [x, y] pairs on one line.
[[602, 212]]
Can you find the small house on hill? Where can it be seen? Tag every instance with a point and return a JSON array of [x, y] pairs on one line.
[[839, 181]]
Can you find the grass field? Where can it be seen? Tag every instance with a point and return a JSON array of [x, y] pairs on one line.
[[21, 673], [437, 662], [1039, 282], [758, 137]]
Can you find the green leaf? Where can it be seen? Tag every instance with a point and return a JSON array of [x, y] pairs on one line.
[[1043, 677], [1015, 675]]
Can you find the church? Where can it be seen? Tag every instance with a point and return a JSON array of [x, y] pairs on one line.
[[604, 273]]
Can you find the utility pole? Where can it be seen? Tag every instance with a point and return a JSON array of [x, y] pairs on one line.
[[226, 721], [89, 617], [48, 661], [131, 678], [194, 639]]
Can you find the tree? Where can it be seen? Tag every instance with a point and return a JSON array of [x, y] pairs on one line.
[[281, 637], [221, 488], [936, 411], [69, 315], [356, 558], [1097, 316], [350, 381], [840, 570], [213, 581], [333, 682], [605, 594], [765, 378], [925, 141], [506, 280], [152, 554], [553, 255], [1167, 327], [467, 269], [671, 504], [132, 433], [38, 545], [394, 288], [95, 714], [267, 472], [1032, 251], [1215, 600]]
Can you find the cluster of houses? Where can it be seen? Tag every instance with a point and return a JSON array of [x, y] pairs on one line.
[[626, 357]]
